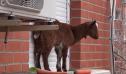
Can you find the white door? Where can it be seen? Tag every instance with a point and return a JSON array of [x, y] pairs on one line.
[[62, 14]]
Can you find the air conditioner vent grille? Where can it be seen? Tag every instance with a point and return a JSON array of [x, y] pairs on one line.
[[36, 4], [33, 5]]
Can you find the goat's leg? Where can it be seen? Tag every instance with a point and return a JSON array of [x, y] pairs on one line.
[[45, 61], [37, 59], [64, 54], [59, 55], [58, 50]]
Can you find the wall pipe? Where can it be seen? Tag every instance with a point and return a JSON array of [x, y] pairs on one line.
[[111, 36]]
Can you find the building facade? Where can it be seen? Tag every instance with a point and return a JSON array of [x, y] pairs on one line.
[[88, 53]]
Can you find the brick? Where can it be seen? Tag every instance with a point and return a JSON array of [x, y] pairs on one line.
[[103, 26], [107, 67], [75, 4], [105, 34], [85, 64], [78, 20], [15, 35], [93, 41], [75, 64], [20, 57], [75, 56], [90, 15], [6, 58], [88, 48], [19, 35], [16, 46], [75, 21], [102, 48], [90, 7], [85, 20], [75, 48], [2, 69], [2, 35], [95, 63], [2, 46], [75, 13], [98, 3], [102, 63], [89, 40], [14, 68], [25, 67], [94, 48], [89, 56]]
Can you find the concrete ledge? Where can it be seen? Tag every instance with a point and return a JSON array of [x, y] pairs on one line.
[[83, 72], [100, 71], [39, 71]]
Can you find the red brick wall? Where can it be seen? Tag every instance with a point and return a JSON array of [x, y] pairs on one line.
[[14, 55], [90, 53]]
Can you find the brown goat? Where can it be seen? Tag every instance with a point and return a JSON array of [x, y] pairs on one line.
[[61, 39]]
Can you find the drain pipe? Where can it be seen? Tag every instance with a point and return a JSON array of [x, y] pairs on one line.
[[112, 3]]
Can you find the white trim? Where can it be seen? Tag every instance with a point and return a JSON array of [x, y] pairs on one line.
[[100, 71], [114, 10]]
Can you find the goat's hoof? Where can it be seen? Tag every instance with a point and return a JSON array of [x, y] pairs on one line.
[[59, 70], [48, 69], [64, 70]]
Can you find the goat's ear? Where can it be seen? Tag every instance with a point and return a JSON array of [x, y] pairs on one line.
[[92, 23]]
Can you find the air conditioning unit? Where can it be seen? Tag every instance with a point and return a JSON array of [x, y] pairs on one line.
[[38, 9]]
